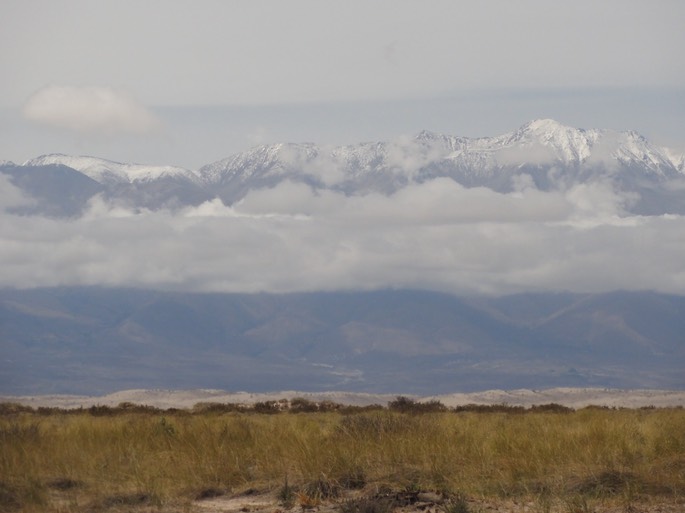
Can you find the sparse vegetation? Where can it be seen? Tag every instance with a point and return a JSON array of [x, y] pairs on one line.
[[134, 457]]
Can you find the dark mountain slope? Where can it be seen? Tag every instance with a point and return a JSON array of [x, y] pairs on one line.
[[85, 340]]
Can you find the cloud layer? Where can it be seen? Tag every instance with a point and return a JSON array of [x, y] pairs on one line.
[[89, 110], [437, 236]]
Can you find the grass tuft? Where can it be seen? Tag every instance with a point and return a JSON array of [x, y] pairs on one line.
[[287, 494], [607, 483], [456, 504], [323, 488]]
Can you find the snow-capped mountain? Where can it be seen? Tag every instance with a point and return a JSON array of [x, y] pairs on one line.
[[548, 154], [106, 171], [578, 146], [478, 161], [63, 184], [554, 156]]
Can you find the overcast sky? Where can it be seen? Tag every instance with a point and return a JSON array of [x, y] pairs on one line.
[[187, 83]]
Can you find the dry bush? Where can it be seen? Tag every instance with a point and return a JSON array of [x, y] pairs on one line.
[[212, 407], [489, 408], [406, 405], [301, 405], [14, 408], [268, 407], [550, 408]]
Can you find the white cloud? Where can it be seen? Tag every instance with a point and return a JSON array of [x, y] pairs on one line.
[[11, 196], [90, 110], [598, 200], [436, 235]]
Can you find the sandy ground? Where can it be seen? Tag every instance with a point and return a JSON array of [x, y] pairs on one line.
[[572, 397]]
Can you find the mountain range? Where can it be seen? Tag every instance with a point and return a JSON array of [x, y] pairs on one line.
[[96, 340], [541, 153]]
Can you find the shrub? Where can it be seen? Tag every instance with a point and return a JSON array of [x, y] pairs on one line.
[[301, 405], [267, 407], [551, 408], [14, 408], [211, 407], [406, 405]]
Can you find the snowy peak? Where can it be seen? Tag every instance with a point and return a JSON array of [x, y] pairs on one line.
[[563, 143], [632, 148], [550, 130], [545, 126], [432, 138], [106, 171], [261, 160], [586, 146]]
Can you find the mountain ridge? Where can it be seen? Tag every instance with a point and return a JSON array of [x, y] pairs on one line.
[[571, 144], [541, 153], [104, 171], [93, 339]]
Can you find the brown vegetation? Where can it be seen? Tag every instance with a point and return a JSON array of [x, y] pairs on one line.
[[140, 458]]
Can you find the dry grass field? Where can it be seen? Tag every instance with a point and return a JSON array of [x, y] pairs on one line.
[[407, 457]]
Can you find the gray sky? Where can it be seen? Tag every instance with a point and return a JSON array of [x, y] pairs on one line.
[[186, 83]]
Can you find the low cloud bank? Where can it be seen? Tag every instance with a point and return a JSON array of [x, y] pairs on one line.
[[437, 235], [101, 111]]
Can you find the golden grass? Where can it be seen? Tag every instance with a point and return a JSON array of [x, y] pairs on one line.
[[77, 461]]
